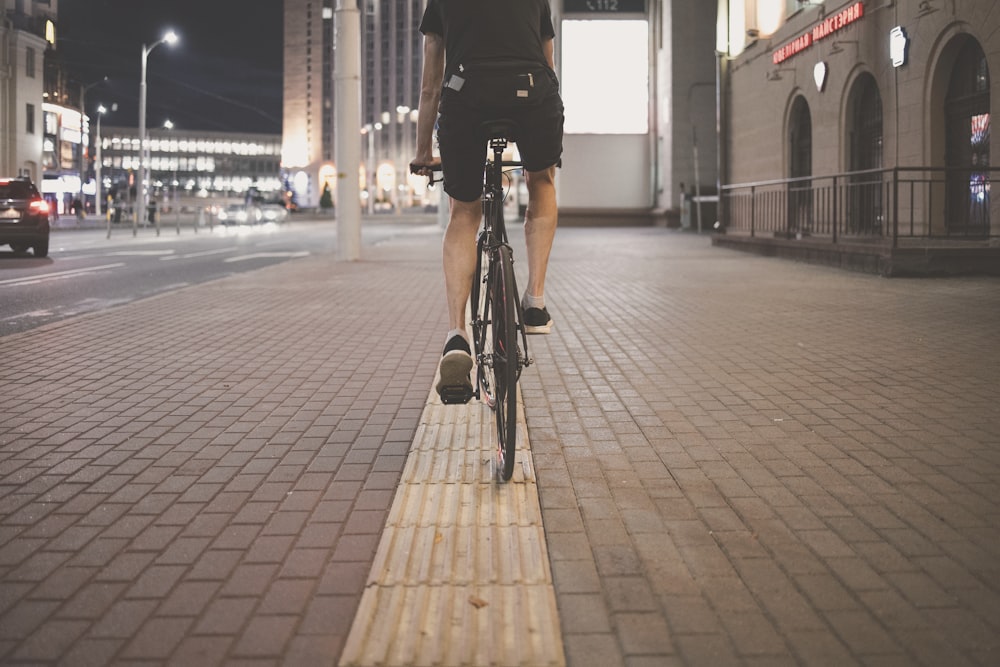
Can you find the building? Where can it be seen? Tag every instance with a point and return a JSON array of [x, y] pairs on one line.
[[190, 168], [860, 122], [26, 31], [391, 48], [643, 103]]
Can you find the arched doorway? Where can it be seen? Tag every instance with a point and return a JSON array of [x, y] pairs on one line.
[[967, 143], [864, 154], [800, 167]]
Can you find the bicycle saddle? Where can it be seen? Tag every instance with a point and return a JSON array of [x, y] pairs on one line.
[[500, 128]]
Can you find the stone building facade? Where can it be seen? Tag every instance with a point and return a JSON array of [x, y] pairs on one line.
[[898, 91]]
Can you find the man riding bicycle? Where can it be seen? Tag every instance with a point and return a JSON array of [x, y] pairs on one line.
[[483, 60]]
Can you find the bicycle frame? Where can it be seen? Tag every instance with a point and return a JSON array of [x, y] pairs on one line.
[[492, 236]]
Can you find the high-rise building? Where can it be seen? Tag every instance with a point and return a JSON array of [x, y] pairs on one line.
[[391, 55], [27, 28]]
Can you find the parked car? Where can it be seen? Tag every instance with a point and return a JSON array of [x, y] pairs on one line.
[[273, 213], [24, 216]]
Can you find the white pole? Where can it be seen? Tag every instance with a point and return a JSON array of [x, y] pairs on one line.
[[141, 184], [97, 166], [347, 125], [169, 38]]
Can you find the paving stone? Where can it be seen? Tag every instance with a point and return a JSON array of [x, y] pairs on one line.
[[739, 460]]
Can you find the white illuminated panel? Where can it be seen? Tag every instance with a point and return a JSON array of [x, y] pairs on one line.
[[605, 76]]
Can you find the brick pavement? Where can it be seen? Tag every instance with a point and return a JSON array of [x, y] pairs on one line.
[[740, 460], [203, 476], [752, 461]]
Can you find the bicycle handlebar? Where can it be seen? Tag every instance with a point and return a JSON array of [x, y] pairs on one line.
[[436, 169]]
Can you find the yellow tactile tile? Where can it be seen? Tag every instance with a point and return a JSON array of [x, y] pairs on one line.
[[461, 575]]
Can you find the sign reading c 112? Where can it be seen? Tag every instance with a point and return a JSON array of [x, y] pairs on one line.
[[604, 6]]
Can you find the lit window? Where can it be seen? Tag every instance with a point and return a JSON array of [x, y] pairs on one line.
[[606, 89]]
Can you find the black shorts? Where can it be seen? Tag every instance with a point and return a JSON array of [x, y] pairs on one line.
[[485, 97]]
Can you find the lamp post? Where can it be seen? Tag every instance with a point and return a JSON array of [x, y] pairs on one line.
[[402, 114], [370, 182], [169, 125], [83, 115], [101, 110], [169, 38]]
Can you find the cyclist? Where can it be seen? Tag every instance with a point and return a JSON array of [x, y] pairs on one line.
[[488, 59]]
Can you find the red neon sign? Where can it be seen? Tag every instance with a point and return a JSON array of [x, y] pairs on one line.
[[821, 30]]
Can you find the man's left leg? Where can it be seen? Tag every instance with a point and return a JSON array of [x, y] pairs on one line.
[[539, 230]]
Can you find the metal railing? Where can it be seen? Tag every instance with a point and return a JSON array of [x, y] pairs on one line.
[[876, 205]]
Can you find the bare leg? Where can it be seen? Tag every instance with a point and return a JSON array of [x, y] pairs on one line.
[[459, 254], [540, 226]]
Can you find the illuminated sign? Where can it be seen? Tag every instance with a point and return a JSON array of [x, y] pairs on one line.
[[821, 30], [897, 46], [604, 6]]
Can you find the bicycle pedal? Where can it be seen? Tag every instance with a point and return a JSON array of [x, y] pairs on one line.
[[456, 395]]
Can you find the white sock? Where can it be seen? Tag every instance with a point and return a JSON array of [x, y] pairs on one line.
[[532, 301], [457, 332]]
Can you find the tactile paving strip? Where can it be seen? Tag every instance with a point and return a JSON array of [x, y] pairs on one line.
[[461, 575]]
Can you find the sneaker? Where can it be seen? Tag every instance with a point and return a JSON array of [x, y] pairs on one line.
[[537, 321], [454, 385]]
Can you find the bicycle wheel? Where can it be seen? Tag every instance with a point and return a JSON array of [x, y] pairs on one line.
[[505, 356]]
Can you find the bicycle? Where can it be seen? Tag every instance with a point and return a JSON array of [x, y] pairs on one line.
[[498, 334]]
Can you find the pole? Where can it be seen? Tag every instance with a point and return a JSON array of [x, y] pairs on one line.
[[97, 167], [347, 123], [141, 183], [370, 172], [697, 175]]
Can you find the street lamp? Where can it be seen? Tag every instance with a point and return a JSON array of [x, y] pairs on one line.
[[101, 110], [169, 125], [83, 114], [169, 38], [403, 183], [369, 131]]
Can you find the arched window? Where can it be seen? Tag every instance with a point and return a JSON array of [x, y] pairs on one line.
[[967, 142], [864, 154], [800, 167]]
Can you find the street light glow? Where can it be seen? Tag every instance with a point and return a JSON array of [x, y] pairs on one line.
[[170, 38]]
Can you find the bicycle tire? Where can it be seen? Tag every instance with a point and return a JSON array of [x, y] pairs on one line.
[[506, 357]]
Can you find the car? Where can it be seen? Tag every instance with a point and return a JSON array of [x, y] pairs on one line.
[[234, 214], [24, 216], [273, 212]]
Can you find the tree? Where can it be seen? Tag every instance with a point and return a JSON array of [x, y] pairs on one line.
[[326, 200]]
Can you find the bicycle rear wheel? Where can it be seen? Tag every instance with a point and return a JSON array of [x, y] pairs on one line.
[[502, 347]]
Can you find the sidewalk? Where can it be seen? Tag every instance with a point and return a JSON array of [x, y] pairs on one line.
[[739, 460]]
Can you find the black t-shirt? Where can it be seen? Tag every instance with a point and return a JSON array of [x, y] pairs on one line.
[[480, 32]]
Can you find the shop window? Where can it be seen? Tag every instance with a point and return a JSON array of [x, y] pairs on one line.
[[800, 167], [865, 154], [967, 143]]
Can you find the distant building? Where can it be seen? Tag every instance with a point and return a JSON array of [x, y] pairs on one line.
[[391, 60], [27, 29], [189, 168]]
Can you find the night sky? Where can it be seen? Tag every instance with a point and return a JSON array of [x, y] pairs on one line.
[[225, 73]]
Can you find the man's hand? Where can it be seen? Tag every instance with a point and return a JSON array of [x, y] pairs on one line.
[[423, 166]]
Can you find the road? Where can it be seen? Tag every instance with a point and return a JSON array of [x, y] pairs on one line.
[[87, 272]]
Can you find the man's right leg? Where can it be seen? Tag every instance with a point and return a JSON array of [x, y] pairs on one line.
[[459, 258]]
